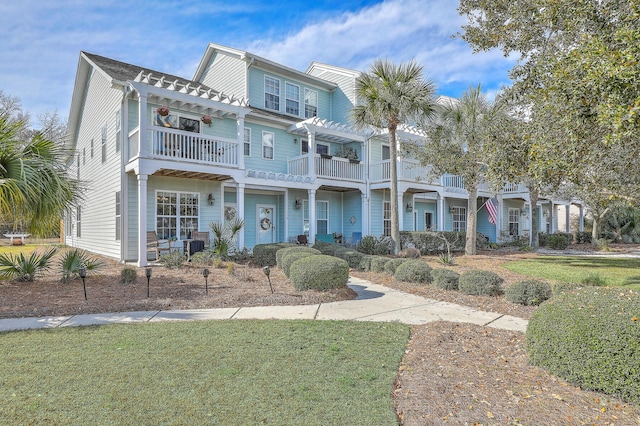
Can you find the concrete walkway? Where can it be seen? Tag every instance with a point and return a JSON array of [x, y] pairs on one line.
[[374, 303]]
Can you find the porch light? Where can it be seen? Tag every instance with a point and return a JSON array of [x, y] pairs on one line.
[[452, 209], [409, 207], [211, 199], [298, 204], [295, 140]]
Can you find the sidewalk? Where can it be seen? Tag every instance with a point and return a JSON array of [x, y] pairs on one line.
[[374, 303]]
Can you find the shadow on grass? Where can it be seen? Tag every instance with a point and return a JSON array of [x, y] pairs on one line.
[[590, 262]]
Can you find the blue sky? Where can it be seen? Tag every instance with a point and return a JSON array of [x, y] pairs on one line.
[[40, 41]]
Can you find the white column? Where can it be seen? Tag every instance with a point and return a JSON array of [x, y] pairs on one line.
[[567, 211], [312, 156], [240, 212], [312, 217], [552, 217], [143, 145], [400, 210], [581, 218], [142, 220], [240, 142], [440, 208], [364, 221], [499, 218]]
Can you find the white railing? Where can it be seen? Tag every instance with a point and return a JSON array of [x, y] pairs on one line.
[[514, 187], [380, 171], [412, 170], [339, 168], [192, 147], [298, 166], [452, 181]]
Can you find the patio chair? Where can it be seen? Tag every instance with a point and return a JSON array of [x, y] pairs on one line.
[[154, 245], [202, 236], [302, 240]]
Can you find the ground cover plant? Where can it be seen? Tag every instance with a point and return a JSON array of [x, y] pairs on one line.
[[213, 372]]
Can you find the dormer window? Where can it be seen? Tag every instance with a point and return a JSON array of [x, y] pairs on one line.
[[271, 93]]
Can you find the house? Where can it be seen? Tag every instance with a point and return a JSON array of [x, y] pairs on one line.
[[248, 138]]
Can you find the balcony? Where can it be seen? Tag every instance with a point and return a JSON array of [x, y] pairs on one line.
[[409, 170], [329, 168], [187, 147]]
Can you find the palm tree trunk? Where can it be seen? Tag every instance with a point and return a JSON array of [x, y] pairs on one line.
[[472, 207], [393, 177]]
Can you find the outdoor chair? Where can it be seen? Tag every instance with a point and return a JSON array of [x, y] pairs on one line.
[[154, 245], [302, 240]]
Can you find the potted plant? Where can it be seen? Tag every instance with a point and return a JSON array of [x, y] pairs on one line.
[[206, 119], [163, 111], [349, 153]]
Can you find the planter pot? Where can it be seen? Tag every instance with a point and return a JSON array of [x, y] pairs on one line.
[[351, 160], [327, 156]]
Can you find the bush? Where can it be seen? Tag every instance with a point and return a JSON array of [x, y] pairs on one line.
[[372, 245], [203, 258], [265, 254], [591, 338], [445, 279], [72, 260], [480, 283], [327, 248], [392, 264], [446, 259], [367, 244], [128, 275], [173, 260], [365, 262], [409, 253], [290, 257], [560, 288], [319, 272], [559, 241], [528, 292], [353, 258], [22, 268], [378, 262], [583, 237], [280, 254], [594, 280], [413, 271], [431, 242]]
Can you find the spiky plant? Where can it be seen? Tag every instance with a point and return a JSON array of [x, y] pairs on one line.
[[224, 240], [23, 268], [75, 259]]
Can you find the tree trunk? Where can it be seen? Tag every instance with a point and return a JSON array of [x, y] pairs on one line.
[[472, 207], [597, 217], [393, 177], [533, 199]]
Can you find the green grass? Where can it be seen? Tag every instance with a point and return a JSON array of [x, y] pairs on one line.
[[615, 271], [213, 372]]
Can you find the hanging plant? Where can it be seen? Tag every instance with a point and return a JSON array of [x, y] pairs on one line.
[[206, 119], [229, 213], [163, 111]]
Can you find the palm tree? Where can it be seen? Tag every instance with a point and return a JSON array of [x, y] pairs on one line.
[[34, 187], [388, 96]]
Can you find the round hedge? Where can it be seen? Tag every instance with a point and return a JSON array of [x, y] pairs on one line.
[[281, 253], [480, 283], [265, 254], [413, 271], [445, 279], [591, 338], [365, 262], [291, 257], [392, 264], [528, 292], [319, 272], [378, 262]]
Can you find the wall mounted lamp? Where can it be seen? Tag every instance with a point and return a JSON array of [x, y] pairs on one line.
[[211, 199], [298, 204], [409, 207], [295, 140], [452, 210]]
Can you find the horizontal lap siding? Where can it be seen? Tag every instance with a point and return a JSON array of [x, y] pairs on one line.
[[226, 74]]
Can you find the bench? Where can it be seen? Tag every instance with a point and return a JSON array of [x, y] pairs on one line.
[[11, 236]]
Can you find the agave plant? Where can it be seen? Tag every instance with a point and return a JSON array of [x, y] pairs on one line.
[[225, 236], [23, 268], [75, 259]]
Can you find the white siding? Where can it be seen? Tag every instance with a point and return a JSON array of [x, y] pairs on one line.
[[226, 74]]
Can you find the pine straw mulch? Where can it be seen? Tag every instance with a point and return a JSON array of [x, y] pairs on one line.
[[452, 373]]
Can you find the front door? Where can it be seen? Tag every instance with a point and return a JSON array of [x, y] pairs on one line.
[[266, 227]]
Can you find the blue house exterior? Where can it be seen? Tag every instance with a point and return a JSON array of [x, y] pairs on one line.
[[248, 138]]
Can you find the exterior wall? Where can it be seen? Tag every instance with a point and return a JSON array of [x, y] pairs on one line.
[[351, 207], [226, 74], [343, 98], [483, 225], [420, 208], [376, 211], [283, 149]]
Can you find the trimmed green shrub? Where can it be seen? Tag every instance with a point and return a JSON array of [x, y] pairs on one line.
[[413, 271], [559, 241], [327, 248], [560, 288], [203, 258], [353, 258], [445, 279], [528, 292], [319, 272], [290, 257], [280, 254], [372, 245], [128, 275], [265, 254], [392, 264], [378, 262], [594, 280], [583, 237], [365, 262], [430, 242], [591, 338], [173, 260], [480, 283]]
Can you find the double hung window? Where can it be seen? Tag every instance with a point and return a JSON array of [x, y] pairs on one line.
[[272, 93]]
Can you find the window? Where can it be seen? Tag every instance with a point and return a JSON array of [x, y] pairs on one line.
[[310, 103], [189, 125], [305, 146], [386, 152], [386, 218], [459, 219], [322, 217], [176, 214], [104, 143], [322, 148], [428, 221], [272, 93], [118, 130], [78, 221], [514, 222], [292, 99], [267, 145], [305, 217], [118, 215], [247, 141]]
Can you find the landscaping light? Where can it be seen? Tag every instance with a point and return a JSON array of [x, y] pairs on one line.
[[83, 274], [267, 272], [147, 272], [205, 274]]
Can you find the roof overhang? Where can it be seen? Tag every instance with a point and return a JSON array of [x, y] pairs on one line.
[[328, 130]]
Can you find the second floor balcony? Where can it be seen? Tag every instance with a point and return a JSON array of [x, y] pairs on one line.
[[327, 167]]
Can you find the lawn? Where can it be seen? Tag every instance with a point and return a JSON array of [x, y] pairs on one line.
[[615, 271], [214, 372]]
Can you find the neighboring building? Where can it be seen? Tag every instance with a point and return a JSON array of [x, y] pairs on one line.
[[247, 138]]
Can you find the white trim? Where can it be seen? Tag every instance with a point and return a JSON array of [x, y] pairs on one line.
[[177, 216]]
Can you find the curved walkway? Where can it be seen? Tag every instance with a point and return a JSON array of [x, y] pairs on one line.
[[374, 303]]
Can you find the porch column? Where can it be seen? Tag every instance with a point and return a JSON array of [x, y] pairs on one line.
[[400, 210], [364, 221], [312, 157], [499, 218], [440, 209], [240, 212], [240, 142], [567, 213], [142, 220], [581, 218], [552, 227], [143, 145], [312, 217]]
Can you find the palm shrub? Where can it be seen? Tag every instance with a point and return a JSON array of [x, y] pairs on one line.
[[292, 256], [392, 264], [445, 279], [378, 262], [591, 338], [528, 292], [281, 253], [23, 268], [413, 271], [224, 236], [480, 283], [367, 245], [319, 272], [72, 260]]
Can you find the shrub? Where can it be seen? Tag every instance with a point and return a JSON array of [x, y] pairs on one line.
[[72, 260], [583, 237], [365, 262], [594, 280], [372, 245], [413, 271], [430, 242], [591, 338], [480, 283], [378, 262], [173, 260], [326, 248], [292, 256], [392, 264], [203, 258], [409, 253], [446, 259], [445, 279], [280, 254], [528, 292], [559, 241], [353, 258], [128, 275], [560, 288], [265, 254], [22, 268], [319, 272]]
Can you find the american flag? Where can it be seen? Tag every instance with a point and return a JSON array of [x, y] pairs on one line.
[[492, 209]]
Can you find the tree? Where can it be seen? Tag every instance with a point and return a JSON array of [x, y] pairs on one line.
[[390, 95], [456, 144]]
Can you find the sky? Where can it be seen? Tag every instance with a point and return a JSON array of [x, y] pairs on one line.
[[41, 40]]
